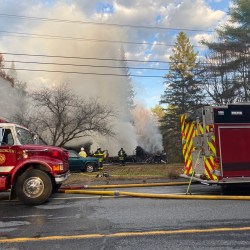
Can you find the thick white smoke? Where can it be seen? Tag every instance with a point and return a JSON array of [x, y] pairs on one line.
[[11, 101], [109, 89], [148, 134]]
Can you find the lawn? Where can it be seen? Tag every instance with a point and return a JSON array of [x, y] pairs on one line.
[[135, 173]]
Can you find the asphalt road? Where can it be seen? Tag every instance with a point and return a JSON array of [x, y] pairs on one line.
[[96, 222]]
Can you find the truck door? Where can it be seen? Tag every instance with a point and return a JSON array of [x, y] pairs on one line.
[[75, 161], [235, 148], [7, 151]]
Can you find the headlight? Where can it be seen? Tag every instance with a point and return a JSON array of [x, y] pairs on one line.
[[57, 167]]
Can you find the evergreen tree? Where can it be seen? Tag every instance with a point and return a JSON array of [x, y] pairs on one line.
[[12, 72], [130, 93], [171, 133], [182, 94], [1, 61], [2, 72], [158, 112], [182, 87], [230, 75]]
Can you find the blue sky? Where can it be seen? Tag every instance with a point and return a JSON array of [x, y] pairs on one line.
[[204, 15], [149, 90], [219, 4]]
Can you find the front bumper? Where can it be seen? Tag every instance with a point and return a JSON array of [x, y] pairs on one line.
[[235, 180], [62, 177]]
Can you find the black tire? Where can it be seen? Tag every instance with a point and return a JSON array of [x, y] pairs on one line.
[[90, 168], [56, 187], [34, 187]]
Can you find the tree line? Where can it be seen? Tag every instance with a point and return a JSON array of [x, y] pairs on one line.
[[222, 77]]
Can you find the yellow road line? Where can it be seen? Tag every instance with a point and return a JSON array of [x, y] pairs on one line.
[[125, 234]]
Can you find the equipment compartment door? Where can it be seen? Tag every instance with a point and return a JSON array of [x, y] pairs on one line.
[[235, 151]]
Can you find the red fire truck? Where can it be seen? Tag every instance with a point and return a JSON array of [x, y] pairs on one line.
[[30, 171], [216, 144]]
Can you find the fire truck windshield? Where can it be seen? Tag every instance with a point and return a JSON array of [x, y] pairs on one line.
[[24, 136]]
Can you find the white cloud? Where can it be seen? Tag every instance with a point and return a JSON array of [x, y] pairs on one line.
[[216, 1], [189, 14], [193, 14]]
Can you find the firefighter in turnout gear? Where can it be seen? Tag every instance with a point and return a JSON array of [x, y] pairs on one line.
[[100, 155], [122, 156], [83, 153]]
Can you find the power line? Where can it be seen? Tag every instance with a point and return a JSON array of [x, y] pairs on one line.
[[91, 65], [97, 23], [96, 74], [83, 73], [90, 58], [42, 36], [85, 65], [83, 58]]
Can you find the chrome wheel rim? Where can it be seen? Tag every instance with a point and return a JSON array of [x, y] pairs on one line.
[[33, 187], [90, 168]]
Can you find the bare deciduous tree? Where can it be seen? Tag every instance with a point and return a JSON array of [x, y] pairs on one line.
[[228, 71], [59, 116], [219, 79]]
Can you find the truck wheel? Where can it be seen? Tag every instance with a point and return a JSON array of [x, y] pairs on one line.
[[90, 168], [56, 187], [34, 187]]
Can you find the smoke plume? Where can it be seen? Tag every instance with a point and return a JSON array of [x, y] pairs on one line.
[[100, 82], [148, 134]]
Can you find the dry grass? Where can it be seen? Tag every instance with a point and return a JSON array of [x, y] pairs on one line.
[[142, 172]]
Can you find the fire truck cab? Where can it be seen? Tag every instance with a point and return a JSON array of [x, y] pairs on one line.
[[216, 144], [30, 171]]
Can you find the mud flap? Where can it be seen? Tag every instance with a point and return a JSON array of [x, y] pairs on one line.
[[12, 195]]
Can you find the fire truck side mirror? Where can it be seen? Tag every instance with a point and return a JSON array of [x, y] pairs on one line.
[[36, 139], [1, 136]]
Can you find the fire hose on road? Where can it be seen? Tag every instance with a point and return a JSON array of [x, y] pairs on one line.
[[69, 190], [124, 185], [158, 196]]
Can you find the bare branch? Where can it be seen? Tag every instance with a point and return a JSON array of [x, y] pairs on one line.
[[61, 116]]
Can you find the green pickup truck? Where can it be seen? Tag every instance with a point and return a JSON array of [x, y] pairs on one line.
[[78, 163]]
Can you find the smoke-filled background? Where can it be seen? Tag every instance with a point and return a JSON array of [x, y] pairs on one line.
[[147, 132], [24, 35], [109, 89], [9, 99]]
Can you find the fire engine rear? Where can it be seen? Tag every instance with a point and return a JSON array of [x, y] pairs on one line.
[[31, 172], [216, 144]]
